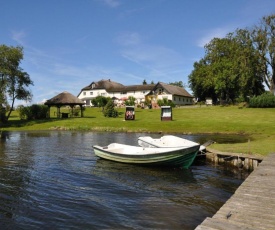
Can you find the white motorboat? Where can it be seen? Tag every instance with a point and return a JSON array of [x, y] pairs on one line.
[[169, 156]]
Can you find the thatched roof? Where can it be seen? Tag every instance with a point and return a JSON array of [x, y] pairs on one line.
[[172, 89], [131, 88], [112, 86], [103, 84], [64, 98]]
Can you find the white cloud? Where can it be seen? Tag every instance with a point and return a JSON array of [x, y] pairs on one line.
[[18, 36], [129, 39], [156, 61], [111, 3], [214, 33], [155, 56]]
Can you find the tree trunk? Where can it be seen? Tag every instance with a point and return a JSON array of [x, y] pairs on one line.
[[11, 108]]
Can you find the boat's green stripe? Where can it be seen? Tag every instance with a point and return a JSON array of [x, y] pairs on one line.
[[179, 160]]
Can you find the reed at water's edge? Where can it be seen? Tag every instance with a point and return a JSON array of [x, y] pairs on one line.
[[257, 124]]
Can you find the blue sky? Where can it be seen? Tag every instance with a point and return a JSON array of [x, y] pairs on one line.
[[70, 43]]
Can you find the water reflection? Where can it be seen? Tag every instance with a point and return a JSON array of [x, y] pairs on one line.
[[3, 136], [14, 171], [54, 179], [142, 177]]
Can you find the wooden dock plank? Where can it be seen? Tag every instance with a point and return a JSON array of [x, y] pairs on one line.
[[223, 224], [256, 197], [236, 204], [253, 204], [248, 218], [236, 214], [263, 191]]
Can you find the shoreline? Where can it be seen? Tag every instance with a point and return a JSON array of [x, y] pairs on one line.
[[256, 125]]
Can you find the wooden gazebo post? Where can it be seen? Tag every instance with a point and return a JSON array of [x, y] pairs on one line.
[[49, 111], [81, 111], [58, 111], [72, 108]]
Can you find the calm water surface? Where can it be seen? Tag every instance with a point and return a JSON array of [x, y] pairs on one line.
[[53, 180]]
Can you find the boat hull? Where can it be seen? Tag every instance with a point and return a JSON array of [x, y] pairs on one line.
[[179, 157]]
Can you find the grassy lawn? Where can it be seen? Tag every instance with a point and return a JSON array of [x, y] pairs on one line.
[[257, 124]]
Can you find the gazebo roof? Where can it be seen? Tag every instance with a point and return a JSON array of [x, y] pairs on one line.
[[64, 98]]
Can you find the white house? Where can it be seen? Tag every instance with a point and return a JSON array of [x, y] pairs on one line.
[[178, 95], [119, 92]]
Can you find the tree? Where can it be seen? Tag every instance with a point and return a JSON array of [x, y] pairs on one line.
[[165, 102], [100, 101], [229, 69], [264, 41], [248, 65], [201, 82], [130, 101], [177, 83], [14, 81], [109, 110], [144, 82]]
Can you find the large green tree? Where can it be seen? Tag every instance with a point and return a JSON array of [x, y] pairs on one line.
[[14, 82], [201, 82], [228, 70], [263, 36]]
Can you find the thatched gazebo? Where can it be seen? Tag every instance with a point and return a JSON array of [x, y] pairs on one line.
[[64, 99]]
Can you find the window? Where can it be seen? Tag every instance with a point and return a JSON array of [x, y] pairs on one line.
[[103, 94], [91, 93], [84, 93], [93, 85]]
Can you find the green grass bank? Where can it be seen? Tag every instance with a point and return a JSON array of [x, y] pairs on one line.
[[257, 124]]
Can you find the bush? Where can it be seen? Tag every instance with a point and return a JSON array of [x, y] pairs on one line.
[[130, 101], [165, 102], [76, 111], [33, 112], [109, 110], [266, 100]]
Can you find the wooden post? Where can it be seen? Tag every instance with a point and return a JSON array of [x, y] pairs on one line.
[[81, 110]]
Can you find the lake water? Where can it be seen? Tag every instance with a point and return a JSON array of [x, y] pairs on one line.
[[53, 180]]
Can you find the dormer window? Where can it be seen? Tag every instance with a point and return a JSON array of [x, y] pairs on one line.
[[93, 85]]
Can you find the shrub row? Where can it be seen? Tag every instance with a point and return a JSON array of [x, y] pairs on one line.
[[266, 100], [33, 112]]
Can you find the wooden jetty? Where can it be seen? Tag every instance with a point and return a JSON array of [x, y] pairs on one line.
[[246, 161], [252, 206]]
